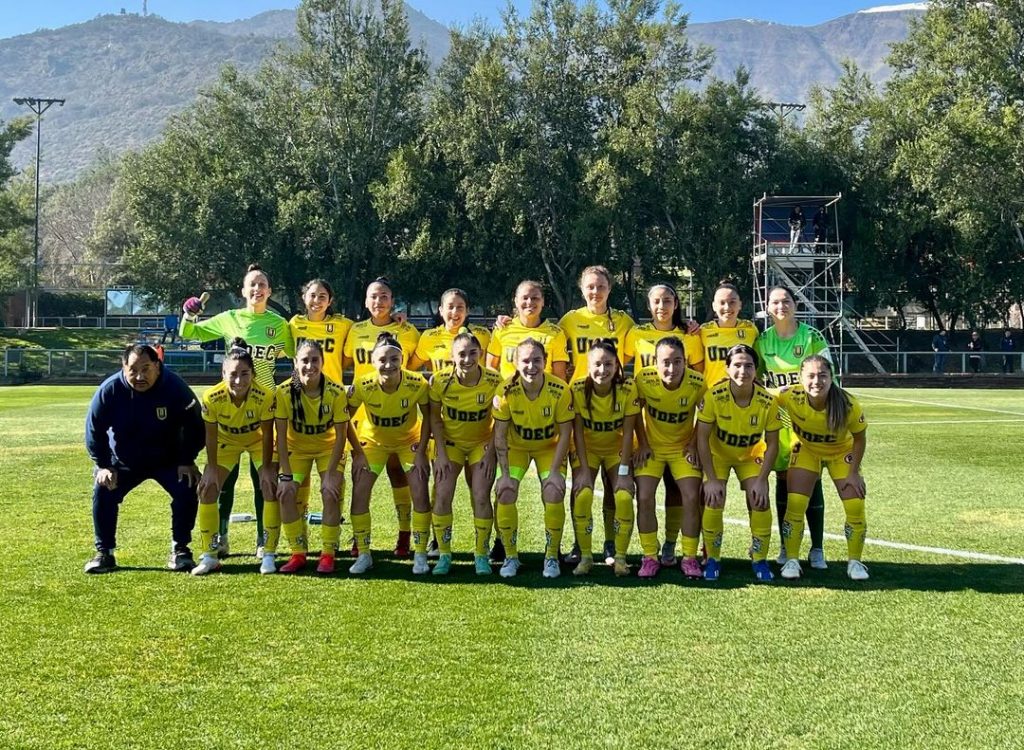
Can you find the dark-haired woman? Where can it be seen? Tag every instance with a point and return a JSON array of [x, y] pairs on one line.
[[738, 427], [606, 406], [359, 346], [831, 434], [434, 349], [268, 337], [727, 330], [239, 415], [395, 428], [321, 324], [311, 415], [462, 428]]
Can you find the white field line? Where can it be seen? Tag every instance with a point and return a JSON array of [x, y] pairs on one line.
[[861, 394], [966, 554], [947, 421]]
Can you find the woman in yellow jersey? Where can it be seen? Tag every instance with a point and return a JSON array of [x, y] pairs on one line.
[[323, 325], [311, 416], [666, 320], [538, 409], [434, 349], [393, 400], [528, 324], [738, 427], [359, 346], [239, 414], [606, 406], [462, 427], [669, 393], [831, 433], [726, 331]]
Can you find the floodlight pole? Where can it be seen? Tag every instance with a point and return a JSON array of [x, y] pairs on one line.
[[38, 106]]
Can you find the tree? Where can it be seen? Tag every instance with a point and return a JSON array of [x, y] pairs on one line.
[[15, 211]]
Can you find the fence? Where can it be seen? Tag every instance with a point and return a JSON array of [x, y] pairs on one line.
[[924, 362], [112, 321]]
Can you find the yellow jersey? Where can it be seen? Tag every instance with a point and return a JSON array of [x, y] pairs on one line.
[[435, 345], [240, 426], [642, 340], [363, 335], [534, 422], [669, 415], [581, 327], [392, 420], [738, 433], [330, 333], [465, 409], [605, 417], [811, 425], [311, 420], [717, 340], [505, 340]]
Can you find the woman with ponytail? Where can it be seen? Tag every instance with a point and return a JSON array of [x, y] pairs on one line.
[[831, 432], [727, 330], [434, 350]]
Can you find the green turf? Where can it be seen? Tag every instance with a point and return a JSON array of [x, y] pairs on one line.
[[927, 654]]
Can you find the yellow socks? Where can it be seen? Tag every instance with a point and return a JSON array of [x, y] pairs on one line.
[[302, 507], [295, 536], [624, 516], [761, 534], [209, 525], [713, 529], [361, 531], [793, 524], [673, 522], [507, 520], [271, 525], [856, 527], [554, 522], [583, 520], [329, 536], [403, 507], [420, 531], [482, 535], [648, 543], [443, 532], [689, 546]]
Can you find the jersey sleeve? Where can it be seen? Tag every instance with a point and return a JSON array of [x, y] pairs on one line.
[[286, 342], [205, 330], [500, 407], [339, 412], [774, 420], [494, 346], [632, 397], [818, 345], [423, 398], [484, 337], [559, 345], [706, 411], [348, 349], [409, 338], [855, 421], [422, 351], [629, 345], [355, 396], [268, 410], [694, 347], [283, 403], [209, 412], [564, 411]]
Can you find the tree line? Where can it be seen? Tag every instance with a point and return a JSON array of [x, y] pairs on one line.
[[574, 134]]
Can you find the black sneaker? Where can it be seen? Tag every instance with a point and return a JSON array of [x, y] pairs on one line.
[[574, 556], [498, 552], [181, 560], [103, 562]]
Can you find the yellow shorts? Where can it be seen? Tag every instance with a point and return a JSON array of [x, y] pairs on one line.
[[838, 465], [519, 462], [460, 454], [229, 454], [302, 464], [745, 470], [677, 465], [595, 461], [377, 456]]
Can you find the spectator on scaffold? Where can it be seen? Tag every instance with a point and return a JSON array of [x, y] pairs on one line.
[[1007, 346], [820, 224], [940, 345], [796, 226], [975, 346]]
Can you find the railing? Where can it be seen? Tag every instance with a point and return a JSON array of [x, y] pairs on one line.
[[110, 321], [924, 362]]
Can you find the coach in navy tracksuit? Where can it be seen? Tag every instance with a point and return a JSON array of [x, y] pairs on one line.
[[143, 423]]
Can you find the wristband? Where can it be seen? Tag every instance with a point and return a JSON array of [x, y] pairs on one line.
[[623, 470], [285, 478]]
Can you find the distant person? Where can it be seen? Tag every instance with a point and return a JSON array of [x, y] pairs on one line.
[[796, 226], [143, 423], [1007, 346], [975, 346], [820, 224], [171, 323], [940, 345]]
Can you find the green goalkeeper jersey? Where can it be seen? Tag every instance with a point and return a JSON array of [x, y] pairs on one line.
[[267, 335], [781, 358]]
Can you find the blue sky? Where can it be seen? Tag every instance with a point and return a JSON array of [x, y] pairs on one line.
[[18, 17]]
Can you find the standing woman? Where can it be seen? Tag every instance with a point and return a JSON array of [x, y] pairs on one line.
[[538, 408], [393, 401], [831, 433], [239, 417], [434, 349], [462, 427], [322, 324], [311, 416], [670, 393], [738, 429], [606, 406], [267, 337], [359, 346], [528, 324], [641, 341], [782, 348], [726, 331]]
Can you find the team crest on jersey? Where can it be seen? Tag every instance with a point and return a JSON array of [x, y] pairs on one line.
[[547, 411], [161, 413], [324, 410], [798, 351], [330, 327], [481, 398], [848, 458], [250, 414], [684, 401], [405, 403], [741, 334], [271, 332], [753, 421]]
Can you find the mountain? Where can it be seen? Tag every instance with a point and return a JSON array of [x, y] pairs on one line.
[[124, 75]]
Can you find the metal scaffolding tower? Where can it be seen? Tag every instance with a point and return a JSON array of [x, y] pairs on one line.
[[805, 254]]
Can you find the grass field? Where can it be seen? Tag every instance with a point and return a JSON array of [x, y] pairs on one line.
[[928, 653]]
